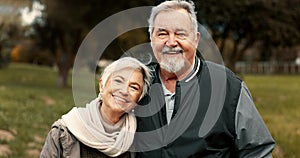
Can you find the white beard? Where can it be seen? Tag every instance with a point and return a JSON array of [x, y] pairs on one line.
[[172, 64]]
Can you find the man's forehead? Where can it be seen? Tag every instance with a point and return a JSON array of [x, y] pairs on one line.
[[175, 12], [166, 19], [171, 27]]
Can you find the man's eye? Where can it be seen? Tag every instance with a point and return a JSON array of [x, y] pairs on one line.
[[161, 34], [182, 35]]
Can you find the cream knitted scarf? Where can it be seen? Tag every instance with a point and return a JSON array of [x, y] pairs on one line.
[[85, 124]]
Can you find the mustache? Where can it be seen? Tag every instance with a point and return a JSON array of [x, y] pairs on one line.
[[167, 49]]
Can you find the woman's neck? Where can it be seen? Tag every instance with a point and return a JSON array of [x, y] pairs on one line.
[[109, 116]]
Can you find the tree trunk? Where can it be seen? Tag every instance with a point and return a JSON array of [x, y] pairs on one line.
[[237, 54], [224, 36], [63, 78], [64, 63], [232, 57], [3, 60]]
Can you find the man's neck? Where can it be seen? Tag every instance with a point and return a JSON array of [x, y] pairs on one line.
[[169, 79]]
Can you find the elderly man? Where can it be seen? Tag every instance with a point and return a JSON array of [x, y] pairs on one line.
[[195, 108]]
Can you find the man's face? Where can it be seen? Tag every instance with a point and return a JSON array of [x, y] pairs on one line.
[[173, 40]]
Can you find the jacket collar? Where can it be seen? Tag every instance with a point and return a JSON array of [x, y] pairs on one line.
[[154, 67]]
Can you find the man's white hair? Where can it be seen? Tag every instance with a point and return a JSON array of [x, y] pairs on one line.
[[171, 6]]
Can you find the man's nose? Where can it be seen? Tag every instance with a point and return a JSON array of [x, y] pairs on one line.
[[172, 41]]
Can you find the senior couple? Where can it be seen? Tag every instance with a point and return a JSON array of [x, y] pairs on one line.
[[176, 117]]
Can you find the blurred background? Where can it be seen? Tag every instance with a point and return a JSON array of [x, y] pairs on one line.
[[258, 39]]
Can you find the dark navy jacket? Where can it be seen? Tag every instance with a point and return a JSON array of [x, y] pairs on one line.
[[214, 116]]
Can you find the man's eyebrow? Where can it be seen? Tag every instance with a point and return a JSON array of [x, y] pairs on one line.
[[162, 29], [184, 30], [177, 30]]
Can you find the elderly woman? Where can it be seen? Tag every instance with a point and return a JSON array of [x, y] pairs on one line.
[[106, 126]]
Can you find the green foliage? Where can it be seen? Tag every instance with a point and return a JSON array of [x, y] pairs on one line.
[[82, 17], [64, 25], [30, 102], [272, 21], [27, 52], [274, 25]]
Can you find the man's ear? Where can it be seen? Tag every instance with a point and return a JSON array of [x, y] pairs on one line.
[[197, 38]]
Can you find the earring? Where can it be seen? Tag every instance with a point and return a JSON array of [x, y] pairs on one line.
[[99, 96]]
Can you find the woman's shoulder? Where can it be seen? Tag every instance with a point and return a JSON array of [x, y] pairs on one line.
[[60, 142], [58, 128], [69, 143]]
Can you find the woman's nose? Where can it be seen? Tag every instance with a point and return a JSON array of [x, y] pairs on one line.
[[124, 90]]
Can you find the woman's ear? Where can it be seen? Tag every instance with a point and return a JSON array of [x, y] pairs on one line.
[[100, 86]]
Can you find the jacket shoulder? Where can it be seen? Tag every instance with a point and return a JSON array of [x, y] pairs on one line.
[[221, 69], [69, 143]]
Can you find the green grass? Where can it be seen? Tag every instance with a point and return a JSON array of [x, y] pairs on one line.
[[30, 102], [278, 101]]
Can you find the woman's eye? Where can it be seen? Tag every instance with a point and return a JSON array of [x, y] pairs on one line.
[[134, 88], [117, 81]]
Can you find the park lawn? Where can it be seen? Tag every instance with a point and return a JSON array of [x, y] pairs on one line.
[[30, 102], [278, 101]]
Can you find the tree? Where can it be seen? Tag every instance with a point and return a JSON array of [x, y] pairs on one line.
[[243, 23], [65, 24], [10, 27], [247, 22]]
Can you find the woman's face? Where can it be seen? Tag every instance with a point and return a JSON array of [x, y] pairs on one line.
[[122, 90]]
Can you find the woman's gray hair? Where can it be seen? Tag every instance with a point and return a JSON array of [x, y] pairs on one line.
[[170, 6], [128, 62]]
